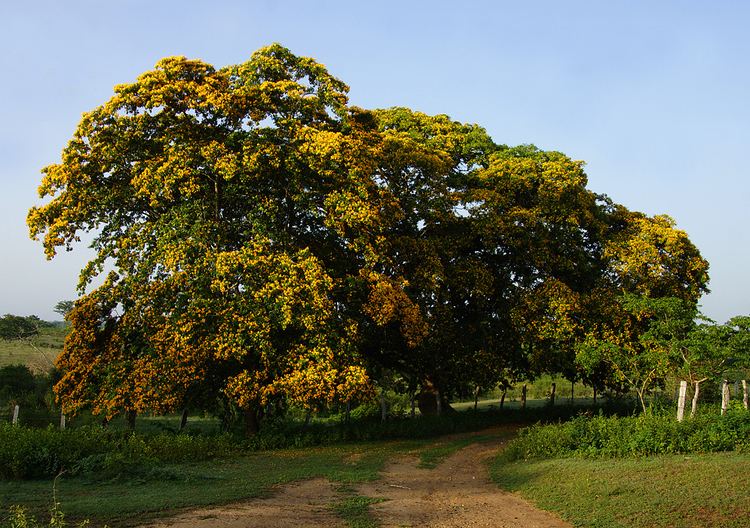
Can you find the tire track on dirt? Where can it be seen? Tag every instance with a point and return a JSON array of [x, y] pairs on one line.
[[457, 493]]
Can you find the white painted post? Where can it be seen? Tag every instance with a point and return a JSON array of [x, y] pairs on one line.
[[681, 401], [744, 393], [724, 396], [62, 421], [15, 415]]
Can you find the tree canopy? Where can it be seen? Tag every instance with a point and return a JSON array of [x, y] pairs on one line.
[[271, 244]]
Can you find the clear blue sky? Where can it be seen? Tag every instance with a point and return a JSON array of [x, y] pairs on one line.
[[654, 96]]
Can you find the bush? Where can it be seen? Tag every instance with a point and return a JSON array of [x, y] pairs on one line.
[[37, 453], [643, 435]]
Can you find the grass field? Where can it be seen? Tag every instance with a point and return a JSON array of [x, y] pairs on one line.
[[38, 352], [668, 491], [170, 488]]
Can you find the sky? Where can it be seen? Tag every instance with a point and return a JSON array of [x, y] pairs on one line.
[[653, 95]]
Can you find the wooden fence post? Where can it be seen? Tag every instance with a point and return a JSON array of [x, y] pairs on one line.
[[62, 421], [681, 401], [724, 396], [744, 393], [15, 415]]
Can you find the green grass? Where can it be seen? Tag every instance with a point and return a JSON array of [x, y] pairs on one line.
[[39, 352], [667, 491], [135, 498], [355, 511]]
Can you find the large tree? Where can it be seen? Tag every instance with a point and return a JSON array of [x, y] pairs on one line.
[[236, 207], [269, 243]]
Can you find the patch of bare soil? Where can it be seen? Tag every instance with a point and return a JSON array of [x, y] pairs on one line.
[[305, 503], [458, 493]]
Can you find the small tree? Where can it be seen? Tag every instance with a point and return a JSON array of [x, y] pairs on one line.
[[640, 342], [17, 327], [64, 308]]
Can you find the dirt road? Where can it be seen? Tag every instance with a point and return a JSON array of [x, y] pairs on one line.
[[457, 493]]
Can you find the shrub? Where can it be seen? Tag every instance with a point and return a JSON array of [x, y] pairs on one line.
[[37, 453], [643, 435]]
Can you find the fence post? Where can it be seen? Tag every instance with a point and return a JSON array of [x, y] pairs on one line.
[[724, 396], [681, 401], [62, 421], [15, 415], [744, 393]]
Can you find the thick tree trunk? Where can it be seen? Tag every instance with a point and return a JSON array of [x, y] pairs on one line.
[[502, 398], [552, 394], [252, 424], [308, 417], [130, 419], [183, 419]]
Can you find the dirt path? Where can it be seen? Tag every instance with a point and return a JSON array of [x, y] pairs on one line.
[[458, 493], [305, 503]]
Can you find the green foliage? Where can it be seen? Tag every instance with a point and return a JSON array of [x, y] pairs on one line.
[[17, 327], [109, 453], [37, 453], [16, 381], [643, 435]]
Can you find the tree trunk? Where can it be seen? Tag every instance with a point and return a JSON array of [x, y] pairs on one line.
[[413, 402], [642, 398], [252, 424], [348, 411], [130, 419], [523, 397], [183, 419], [681, 401], [476, 397], [552, 394], [502, 398], [696, 395]]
